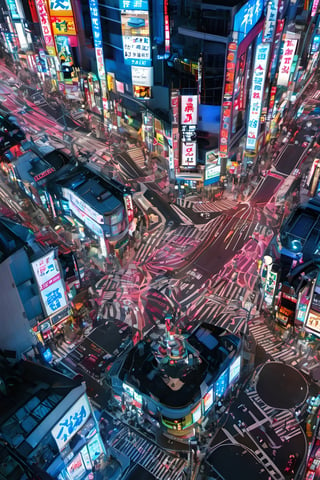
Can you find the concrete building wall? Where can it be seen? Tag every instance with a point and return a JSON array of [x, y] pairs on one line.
[[14, 326]]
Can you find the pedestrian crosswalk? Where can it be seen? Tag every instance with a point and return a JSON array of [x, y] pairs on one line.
[[137, 156], [316, 95], [143, 452], [205, 206]]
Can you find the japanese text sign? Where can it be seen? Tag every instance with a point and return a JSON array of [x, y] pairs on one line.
[[189, 154], [45, 26], [247, 18], [136, 38], [71, 422], [134, 4], [13, 9], [47, 273], [257, 90], [189, 110], [227, 99], [60, 7], [63, 25], [289, 48], [95, 23]]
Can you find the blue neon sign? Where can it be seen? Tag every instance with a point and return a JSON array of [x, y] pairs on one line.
[[247, 17]]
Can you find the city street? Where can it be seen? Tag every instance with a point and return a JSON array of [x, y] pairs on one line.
[[198, 265]]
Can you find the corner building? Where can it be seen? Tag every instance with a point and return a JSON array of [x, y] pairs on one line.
[[177, 379]]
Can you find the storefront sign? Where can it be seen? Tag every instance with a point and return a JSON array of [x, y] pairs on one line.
[[257, 92], [64, 51], [95, 23], [44, 174], [45, 26], [134, 5], [189, 154], [63, 25], [71, 422], [142, 76], [247, 17], [60, 7], [189, 110], [270, 287], [226, 110], [175, 106], [48, 276], [289, 48], [136, 38], [71, 197], [270, 21]]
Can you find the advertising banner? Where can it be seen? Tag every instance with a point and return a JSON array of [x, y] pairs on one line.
[[212, 168], [64, 51], [257, 92], [313, 321], [142, 76], [136, 38], [226, 110], [46, 26], [63, 25], [188, 154], [315, 5], [289, 48], [48, 276], [71, 422], [247, 17], [189, 110], [270, 21], [60, 7], [88, 211]]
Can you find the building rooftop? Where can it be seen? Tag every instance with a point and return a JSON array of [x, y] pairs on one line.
[[172, 368], [13, 237], [94, 190], [28, 393]]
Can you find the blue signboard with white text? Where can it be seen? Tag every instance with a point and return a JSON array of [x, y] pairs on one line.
[[247, 17], [134, 5]]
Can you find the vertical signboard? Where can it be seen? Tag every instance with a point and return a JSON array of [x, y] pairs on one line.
[[175, 129], [136, 37], [289, 48], [189, 110], [226, 110], [48, 276], [71, 422], [189, 154], [13, 9], [46, 26], [97, 40], [315, 5], [257, 92], [270, 21], [166, 27]]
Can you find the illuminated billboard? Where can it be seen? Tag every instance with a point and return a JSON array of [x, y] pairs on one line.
[[212, 168], [289, 48], [60, 7], [129, 207], [234, 370], [257, 92], [13, 9], [247, 17], [71, 422], [196, 413], [134, 5], [188, 154], [48, 276], [64, 51], [136, 37], [270, 21], [45, 26], [189, 110], [142, 76], [313, 322], [208, 400], [221, 384], [63, 25], [226, 110]]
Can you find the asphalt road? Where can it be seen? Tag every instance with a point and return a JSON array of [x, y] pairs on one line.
[[289, 158]]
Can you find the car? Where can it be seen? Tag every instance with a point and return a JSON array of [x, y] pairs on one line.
[[290, 467]]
